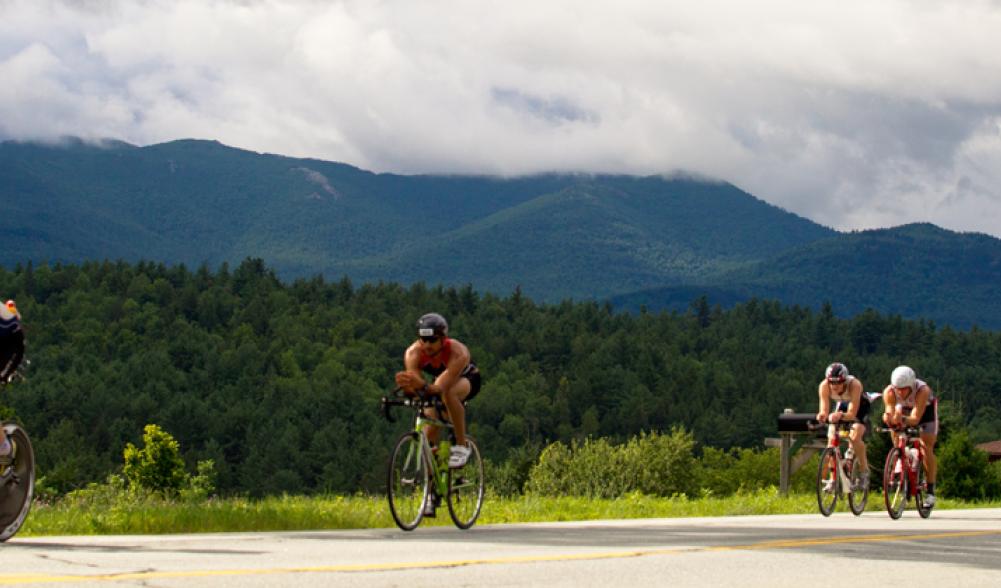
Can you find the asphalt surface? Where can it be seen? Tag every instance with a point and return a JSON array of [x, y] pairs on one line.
[[952, 548]]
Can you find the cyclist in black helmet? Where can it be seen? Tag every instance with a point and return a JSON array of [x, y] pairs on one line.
[[456, 378], [850, 402]]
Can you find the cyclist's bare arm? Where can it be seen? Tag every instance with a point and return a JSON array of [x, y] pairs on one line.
[[889, 405], [825, 402], [920, 404], [411, 379]]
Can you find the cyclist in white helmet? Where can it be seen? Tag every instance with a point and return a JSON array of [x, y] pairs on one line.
[[11, 354], [910, 402], [849, 403]]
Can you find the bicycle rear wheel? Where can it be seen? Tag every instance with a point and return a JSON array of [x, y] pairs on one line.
[[920, 491], [858, 494], [466, 489], [408, 482], [19, 485], [895, 483], [827, 481]]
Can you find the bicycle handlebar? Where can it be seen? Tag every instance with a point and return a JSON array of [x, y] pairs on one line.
[[910, 431], [421, 400], [816, 425]]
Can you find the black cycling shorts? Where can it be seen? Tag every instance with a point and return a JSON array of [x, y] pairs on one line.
[[473, 375]]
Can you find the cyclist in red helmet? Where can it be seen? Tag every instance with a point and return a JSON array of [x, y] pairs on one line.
[[849, 403], [11, 354]]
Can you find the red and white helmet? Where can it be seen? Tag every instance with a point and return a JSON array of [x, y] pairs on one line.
[[836, 373]]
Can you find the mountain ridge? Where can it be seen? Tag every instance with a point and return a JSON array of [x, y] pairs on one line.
[[629, 239]]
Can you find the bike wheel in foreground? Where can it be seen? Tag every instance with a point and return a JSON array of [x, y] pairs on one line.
[[827, 481], [16, 493], [466, 489], [895, 483], [858, 494], [921, 491], [407, 487]]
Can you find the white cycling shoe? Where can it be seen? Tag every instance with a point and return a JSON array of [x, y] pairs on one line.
[[458, 456], [929, 500]]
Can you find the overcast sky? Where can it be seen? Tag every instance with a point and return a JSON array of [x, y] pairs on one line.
[[853, 113]]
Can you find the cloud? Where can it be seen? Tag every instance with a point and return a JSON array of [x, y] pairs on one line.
[[857, 114]]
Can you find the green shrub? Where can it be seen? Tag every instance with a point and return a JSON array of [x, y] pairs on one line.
[[964, 471], [509, 477], [158, 466], [653, 464]]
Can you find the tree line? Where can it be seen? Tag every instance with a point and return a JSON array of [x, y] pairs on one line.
[[279, 383]]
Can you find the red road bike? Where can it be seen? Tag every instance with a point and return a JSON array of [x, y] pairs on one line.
[[904, 475]]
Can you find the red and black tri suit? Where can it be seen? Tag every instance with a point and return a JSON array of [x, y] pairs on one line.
[[436, 364]]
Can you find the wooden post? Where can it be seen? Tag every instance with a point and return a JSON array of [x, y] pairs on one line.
[[785, 469]]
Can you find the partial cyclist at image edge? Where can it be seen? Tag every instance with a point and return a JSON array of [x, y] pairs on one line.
[[455, 378], [907, 393], [11, 354], [849, 403]]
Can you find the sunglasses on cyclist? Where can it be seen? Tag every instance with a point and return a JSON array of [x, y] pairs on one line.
[[429, 339]]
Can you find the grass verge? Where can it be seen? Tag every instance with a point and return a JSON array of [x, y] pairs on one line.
[[291, 513]]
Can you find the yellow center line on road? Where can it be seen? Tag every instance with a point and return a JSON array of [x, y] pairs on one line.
[[37, 578]]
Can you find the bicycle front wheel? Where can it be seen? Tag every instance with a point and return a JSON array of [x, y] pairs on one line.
[[18, 486], [858, 494], [895, 483], [827, 481], [408, 482], [466, 489]]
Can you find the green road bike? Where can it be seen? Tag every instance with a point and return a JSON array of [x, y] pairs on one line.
[[17, 480], [418, 474]]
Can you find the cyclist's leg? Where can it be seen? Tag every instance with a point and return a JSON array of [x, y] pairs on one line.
[[859, 430], [453, 398], [931, 462], [857, 439], [929, 435]]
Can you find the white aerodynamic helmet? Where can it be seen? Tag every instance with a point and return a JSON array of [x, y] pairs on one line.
[[903, 377]]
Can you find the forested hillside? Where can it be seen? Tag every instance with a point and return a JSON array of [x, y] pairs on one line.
[[279, 382], [917, 271]]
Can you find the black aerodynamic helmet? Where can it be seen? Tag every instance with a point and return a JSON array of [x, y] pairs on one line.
[[836, 373], [432, 324]]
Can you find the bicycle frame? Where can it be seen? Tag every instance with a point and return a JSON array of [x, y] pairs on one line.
[[417, 471], [437, 473], [902, 468], [844, 477], [836, 473], [912, 463]]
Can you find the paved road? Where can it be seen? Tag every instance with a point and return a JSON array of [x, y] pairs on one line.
[[952, 548]]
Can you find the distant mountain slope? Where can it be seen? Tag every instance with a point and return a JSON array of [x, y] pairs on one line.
[[585, 236], [917, 271]]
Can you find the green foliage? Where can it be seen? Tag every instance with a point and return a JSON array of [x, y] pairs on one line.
[[260, 376], [739, 470], [963, 470], [158, 466], [653, 464]]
